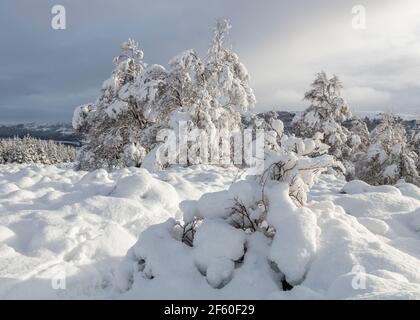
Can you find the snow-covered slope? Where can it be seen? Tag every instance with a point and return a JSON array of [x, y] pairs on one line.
[[377, 235], [352, 241], [56, 223]]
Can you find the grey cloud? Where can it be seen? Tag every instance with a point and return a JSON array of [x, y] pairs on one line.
[[45, 73]]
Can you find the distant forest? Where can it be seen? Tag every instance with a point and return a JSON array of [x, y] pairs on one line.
[[60, 132]]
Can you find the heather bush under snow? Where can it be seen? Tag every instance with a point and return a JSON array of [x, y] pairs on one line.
[[31, 150], [350, 241], [257, 217]]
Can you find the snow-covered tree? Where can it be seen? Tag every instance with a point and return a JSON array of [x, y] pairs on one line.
[[389, 158], [31, 150], [227, 78], [326, 114], [139, 101], [107, 127], [414, 143], [118, 129], [209, 95], [360, 135]]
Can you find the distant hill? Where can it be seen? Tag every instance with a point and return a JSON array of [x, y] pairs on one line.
[[60, 132]]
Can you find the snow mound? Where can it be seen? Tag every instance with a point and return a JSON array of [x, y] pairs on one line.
[[319, 251], [54, 220], [217, 247], [357, 186], [409, 190]]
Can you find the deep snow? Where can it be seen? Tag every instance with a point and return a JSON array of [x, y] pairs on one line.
[[56, 223]]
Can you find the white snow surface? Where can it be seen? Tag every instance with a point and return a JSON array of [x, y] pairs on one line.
[[352, 241], [57, 223]]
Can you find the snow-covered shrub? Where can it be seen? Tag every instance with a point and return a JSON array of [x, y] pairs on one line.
[[31, 150], [326, 115], [277, 140], [138, 102], [389, 158], [414, 143], [264, 215]]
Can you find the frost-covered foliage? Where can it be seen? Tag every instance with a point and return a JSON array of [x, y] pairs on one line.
[[208, 96], [414, 143], [381, 157], [276, 139], [326, 115], [294, 161], [31, 150], [138, 101], [112, 126], [327, 106], [389, 158], [360, 135], [254, 216]]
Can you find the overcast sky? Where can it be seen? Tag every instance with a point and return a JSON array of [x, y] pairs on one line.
[[45, 73]]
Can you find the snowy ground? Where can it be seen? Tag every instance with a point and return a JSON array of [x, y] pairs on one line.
[[56, 223]]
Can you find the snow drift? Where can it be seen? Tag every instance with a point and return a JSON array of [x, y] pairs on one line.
[[59, 223], [352, 241]]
